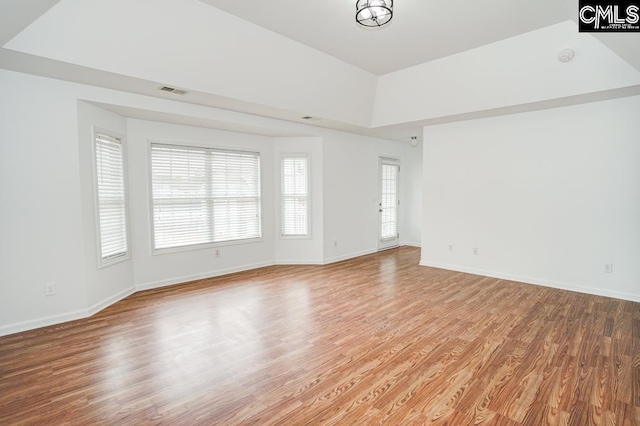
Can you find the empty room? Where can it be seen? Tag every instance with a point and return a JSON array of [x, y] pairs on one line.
[[335, 212]]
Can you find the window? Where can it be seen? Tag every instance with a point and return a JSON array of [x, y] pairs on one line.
[[112, 208], [389, 170], [204, 195], [295, 194]]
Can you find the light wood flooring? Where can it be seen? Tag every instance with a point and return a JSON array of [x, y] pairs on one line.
[[372, 340]]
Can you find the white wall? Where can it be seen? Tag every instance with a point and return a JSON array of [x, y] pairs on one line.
[[153, 270], [412, 203], [345, 196], [108, 284], [47, 219], [547, 197], [41, 233], [301, 250], [351, 193]]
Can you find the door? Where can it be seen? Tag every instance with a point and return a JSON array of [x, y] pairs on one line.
[[389, 203]]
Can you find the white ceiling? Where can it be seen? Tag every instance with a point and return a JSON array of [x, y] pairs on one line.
[[421, 30], [297, 31]]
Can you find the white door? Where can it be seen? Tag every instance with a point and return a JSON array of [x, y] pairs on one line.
[[389, 203]]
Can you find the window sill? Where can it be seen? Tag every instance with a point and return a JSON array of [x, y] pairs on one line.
[[105, 263], [205, 246], [295, 237]]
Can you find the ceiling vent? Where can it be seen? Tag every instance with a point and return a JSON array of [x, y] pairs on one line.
[[172, 90]]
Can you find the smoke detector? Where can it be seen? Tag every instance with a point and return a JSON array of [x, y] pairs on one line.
[[566, 55]]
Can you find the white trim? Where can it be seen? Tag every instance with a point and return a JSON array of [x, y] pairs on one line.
[[86, 313], [102, 262], [349, 256], [303, 154], [536, 281], [299, 262], [62, 318], [202, 276], [410, 244], [203, 246], [110, 301], [382, 242], [19, 327], [205, 146]]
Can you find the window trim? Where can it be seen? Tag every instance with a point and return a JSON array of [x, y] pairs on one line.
[[113, 260], [392, 161], [308, 235], [201, 145]]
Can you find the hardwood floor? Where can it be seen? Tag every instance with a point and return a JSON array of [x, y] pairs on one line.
[[372, 340]]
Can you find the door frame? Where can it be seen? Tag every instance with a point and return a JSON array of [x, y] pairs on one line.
[[393, 242]]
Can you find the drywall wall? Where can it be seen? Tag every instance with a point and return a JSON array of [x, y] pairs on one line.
[[309, 250], [170, 267], [351, 193], [519, 70], [48, 211], [412, 185], [158, 40], [103, 285], [41, 217], [547, 197]]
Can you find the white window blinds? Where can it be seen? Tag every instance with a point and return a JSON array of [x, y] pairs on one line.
[[295, 194], [112, 217], [203, 195]]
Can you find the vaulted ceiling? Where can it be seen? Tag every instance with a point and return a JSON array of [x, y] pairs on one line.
[[420, 31], [438, 61]]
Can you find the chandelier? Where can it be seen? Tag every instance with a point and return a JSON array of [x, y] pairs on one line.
[[374, 13]]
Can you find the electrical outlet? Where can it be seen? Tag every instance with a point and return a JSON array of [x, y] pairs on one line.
[[608, 267], [450, 247], [49, 289], [475, 251], [217, 252]]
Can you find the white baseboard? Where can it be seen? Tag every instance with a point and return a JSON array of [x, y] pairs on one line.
[[348, 256], [92, 310], [201, 276], [411, 244], [19, 327], [536, 281], [110, 301], [299, 262], [61, 318]]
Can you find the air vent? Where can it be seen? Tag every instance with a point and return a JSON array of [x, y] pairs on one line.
[[172, 90]]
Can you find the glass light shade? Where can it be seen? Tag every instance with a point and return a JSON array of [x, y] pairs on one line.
[[374, 13]]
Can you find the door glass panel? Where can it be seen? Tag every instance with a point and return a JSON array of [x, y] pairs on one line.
[[389, 201]]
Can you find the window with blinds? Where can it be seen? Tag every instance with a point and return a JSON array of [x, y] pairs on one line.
[[204, 195], [112, 209], [294, 195]]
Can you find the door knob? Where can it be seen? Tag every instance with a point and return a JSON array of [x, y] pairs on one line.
[[380, 210]]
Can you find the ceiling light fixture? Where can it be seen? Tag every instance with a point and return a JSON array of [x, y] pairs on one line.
[[374, 13]]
